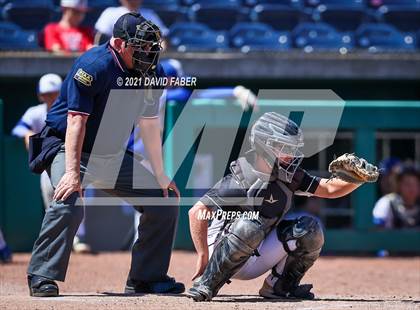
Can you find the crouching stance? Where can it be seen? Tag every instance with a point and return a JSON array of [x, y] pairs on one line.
[[260, 190]]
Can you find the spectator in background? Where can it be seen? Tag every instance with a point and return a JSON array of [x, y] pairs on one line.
[[105, 22], [34, 118], [173, 68], [400, 209], [67, 35], [5, 253], [389, 168], [32, 122], [244, 97]]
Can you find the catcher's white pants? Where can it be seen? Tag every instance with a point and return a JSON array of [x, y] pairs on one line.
[[271, 252]]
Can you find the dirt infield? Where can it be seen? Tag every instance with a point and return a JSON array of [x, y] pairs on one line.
[[96, 282]]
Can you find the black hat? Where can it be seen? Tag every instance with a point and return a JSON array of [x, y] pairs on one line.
[[137, 31], [126, 26]]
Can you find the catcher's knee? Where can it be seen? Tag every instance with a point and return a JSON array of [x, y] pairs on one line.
[[247, 234], [307, 233]]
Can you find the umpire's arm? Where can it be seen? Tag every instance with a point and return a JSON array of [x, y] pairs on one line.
[[75, 134], [150, 134]]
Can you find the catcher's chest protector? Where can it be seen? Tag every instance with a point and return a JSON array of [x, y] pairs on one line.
[[266, 194]]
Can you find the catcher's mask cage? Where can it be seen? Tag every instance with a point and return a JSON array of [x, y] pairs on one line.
[[147, 45], [278, 140]]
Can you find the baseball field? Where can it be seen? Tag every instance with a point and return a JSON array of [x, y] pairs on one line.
[[96, 282]]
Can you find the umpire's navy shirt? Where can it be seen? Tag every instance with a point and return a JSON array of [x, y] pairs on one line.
[[86, 88]]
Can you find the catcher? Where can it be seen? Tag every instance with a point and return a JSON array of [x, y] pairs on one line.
[[264, 181]]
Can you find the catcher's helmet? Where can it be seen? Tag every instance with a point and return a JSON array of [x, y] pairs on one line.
[[278, 139], [144, 37]]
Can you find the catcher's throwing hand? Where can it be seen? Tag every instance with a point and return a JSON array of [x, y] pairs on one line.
[[201, 264], [352, 169]]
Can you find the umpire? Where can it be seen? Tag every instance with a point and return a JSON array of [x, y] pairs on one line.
[[65, 145]]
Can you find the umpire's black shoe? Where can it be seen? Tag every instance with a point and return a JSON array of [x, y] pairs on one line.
[[42, 287], [167, 286]]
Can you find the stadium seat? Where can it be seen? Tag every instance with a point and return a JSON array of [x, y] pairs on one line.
[[217, 17], [404, 18], [187, 37], [256, 36], [315, 3], [279, 17], [418, 39], [378, 3], [29, 14], [383, 37], [172, 15], [292, 3], [319, 36], [12, 37], [102, 3], [342, 17], [160, 3], [237, 3], [96, 7]]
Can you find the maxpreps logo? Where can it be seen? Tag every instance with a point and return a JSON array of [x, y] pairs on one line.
[[83, 77]]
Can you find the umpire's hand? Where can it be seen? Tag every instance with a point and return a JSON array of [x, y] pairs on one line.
[[166, 185], [69, 183]]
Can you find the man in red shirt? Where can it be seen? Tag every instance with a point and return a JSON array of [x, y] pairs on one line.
[[67, 35]]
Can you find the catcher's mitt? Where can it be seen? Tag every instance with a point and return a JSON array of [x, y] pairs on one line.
[[353, 169]]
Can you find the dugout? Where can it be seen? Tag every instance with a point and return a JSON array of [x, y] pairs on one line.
[[358, 132]]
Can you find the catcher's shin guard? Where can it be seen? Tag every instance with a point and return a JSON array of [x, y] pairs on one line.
[[229, 255], [309, 240]]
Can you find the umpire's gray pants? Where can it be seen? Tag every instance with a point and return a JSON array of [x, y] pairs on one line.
[[47, 190], [150, 253]]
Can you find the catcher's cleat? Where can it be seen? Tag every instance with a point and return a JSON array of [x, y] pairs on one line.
[[168, 286], [42, 287], [196, 295], [301, 292]]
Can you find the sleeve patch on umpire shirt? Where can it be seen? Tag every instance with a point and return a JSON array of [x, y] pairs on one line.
[[83, 77]]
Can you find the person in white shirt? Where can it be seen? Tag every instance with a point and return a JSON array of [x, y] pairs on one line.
[[32, 122], [400, 209], [105, 23]]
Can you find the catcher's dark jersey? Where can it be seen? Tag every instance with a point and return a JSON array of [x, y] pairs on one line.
[[277, 194], [277, 197]]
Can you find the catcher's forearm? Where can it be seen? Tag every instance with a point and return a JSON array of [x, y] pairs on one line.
[[198, 229], [334, 188]]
